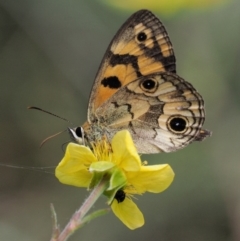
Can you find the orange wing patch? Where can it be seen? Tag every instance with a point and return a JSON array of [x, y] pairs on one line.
[[113, 79]]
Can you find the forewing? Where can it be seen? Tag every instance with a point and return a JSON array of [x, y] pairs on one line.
[[140, 47]]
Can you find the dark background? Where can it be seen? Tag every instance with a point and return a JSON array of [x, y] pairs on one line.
[[49, 54]]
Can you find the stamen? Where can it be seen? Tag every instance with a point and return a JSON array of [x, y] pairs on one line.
[[102, 149]]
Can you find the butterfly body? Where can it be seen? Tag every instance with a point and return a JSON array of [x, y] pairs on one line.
[[137, 88]]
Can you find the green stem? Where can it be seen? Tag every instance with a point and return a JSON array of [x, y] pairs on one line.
[[76, 220]]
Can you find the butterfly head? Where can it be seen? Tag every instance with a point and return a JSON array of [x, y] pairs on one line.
[[77, 135]]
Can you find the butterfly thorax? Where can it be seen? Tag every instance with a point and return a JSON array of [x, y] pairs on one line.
[[94, 132]]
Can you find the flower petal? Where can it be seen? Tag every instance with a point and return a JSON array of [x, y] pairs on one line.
[[124, 152], [77, 156], [72, 169], [155, 178], [79, 179], [128, 212]]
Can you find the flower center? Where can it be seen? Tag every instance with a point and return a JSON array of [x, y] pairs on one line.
[[102, 150]]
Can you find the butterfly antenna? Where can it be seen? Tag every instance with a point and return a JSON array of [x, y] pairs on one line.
[[50, 137], [37, 108]]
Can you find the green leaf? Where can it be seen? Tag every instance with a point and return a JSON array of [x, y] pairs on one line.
[[110, 195], [118, 179], [96, 178], [101, 166], [94, 215], [100, 169]]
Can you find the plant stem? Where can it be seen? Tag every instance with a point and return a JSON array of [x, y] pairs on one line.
[[76, 220]]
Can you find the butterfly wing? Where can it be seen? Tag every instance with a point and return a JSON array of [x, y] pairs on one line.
[[162, 111], [140, 47]]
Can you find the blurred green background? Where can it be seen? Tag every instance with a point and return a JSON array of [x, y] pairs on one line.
[[50, 51]]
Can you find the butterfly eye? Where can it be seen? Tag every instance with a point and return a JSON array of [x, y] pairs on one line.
[[177, 124], [141, 37], [120, 196], [149, 85], [77, 135], [79, 132]]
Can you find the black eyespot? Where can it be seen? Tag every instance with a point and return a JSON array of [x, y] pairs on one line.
[[79, 132], [178, 124], [149, 84], [141, 37], [120, 196]]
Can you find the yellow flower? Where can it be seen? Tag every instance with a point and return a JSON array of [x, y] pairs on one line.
[[121, 164]]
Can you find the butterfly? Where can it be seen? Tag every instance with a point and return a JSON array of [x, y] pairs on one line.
[[137, 88]]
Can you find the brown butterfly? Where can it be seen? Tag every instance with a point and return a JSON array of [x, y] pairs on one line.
[[137, 88]]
